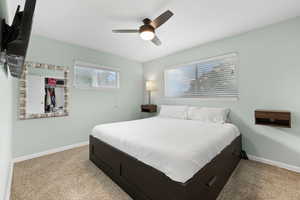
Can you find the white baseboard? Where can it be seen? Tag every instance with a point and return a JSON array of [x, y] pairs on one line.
[[10, 177], [51, 151], [275, 163]]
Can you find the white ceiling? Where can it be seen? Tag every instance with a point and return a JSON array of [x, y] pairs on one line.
[[89, 22]]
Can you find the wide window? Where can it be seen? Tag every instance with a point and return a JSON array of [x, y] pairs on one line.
[[91, 76], [211, 78]]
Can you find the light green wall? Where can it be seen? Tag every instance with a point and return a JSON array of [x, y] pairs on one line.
[[87, 107], [3, 9], [5, 121], [269, 78]]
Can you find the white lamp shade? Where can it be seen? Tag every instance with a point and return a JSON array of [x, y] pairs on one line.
[[150, 86]]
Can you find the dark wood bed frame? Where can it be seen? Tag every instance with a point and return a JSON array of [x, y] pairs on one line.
[[143, 182]]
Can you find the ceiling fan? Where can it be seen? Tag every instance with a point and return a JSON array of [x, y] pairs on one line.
[[147, 31]]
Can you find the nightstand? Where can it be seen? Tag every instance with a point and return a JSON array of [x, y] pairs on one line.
[[149, 108], [273, 118]]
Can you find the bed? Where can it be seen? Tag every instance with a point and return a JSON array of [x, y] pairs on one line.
[[162, 158]]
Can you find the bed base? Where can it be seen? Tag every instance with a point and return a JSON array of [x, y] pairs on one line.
[[143, 182]]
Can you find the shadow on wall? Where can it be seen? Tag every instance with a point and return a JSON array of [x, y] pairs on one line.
[[279, 144]]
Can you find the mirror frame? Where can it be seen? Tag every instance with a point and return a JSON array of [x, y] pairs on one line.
[[23, 115]]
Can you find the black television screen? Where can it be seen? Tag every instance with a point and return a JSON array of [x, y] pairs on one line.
[[15, 38]]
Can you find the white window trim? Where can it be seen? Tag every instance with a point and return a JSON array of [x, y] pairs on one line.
[[202, 60], [203, 98], [197, 62], [95, 66]]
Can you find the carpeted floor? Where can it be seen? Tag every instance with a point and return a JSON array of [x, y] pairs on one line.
[[69, 175]]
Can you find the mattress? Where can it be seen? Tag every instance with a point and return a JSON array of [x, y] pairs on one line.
[[178, 148]]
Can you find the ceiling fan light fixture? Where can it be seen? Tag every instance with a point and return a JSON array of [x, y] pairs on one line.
[[147, 32], [147, 35]]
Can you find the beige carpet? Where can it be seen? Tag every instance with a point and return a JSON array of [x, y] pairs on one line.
[[69, 175]]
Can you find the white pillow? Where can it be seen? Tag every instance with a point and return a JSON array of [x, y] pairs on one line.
[[171, 111], [193, 112], [205, 114]]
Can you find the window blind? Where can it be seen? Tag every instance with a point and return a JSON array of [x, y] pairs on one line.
[[214, 77], [91, 76]]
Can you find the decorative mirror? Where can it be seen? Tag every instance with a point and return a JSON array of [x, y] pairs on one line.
[[43, 91]]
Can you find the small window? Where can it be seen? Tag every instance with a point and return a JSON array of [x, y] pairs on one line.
[[90, 76], [212, 78]]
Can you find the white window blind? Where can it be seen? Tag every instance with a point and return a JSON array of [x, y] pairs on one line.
[[212, 78], [91, 76]]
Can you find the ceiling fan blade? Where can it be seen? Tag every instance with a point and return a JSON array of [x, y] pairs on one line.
[[126, 31], [156, 41], [162, 19]]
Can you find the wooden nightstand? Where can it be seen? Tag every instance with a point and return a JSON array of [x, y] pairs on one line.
[[273, 118], [149, 108]]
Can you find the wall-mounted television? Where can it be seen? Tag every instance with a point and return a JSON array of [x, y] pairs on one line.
[[15, 38]]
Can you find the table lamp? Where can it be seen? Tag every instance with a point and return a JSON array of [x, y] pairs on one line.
[[149, 88]]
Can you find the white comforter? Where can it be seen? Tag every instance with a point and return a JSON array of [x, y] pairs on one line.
[[178, 148]]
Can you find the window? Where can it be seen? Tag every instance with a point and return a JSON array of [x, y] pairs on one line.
[[212, 78], [91, 76]]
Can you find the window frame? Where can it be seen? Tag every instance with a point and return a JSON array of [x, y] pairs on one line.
[[223, 56], [95, 66]]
